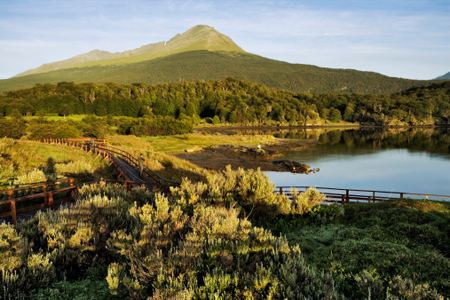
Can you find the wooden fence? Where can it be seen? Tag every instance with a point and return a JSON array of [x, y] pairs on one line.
[[344, 196], [46, 199]]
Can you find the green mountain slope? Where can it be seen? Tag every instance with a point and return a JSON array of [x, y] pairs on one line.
[[200, 37], [206, 65], [202, 53]]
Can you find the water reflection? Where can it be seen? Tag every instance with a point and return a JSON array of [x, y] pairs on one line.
[[413, 160]]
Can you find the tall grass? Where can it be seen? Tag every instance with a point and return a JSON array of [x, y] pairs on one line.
[[166, 165], [24, 161], [35, 176]]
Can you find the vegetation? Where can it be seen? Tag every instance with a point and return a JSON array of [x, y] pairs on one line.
[[397, 247], [214, 65], [195, 247], [27, 162], [174, 108], [202, 242], [219, 235]]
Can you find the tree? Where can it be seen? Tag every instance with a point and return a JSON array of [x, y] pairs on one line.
[[335, 115], [64, 110], [13, 128], [216, 120]]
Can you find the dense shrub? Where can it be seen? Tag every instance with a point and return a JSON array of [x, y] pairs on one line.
[[386, 250], [13, 128], [213, 253], [156, 248], [155, 126], [248, 189]]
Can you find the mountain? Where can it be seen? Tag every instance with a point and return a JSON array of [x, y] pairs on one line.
[[202, 53], [201, 37], [445, 76]]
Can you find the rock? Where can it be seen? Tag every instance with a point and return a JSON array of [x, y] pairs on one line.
[[293, 166]]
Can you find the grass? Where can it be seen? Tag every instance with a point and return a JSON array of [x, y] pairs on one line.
[[58, 118], [195, 141], [159, 151], [407, 238], [22, 157]]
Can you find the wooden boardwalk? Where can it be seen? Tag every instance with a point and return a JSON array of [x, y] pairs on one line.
[[22, 203], [16, 207]]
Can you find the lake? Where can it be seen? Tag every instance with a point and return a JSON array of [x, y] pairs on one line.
[[402, 160]]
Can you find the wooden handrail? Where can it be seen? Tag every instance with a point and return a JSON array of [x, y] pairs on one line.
[[342, 196], [45, 187], [48, 199]]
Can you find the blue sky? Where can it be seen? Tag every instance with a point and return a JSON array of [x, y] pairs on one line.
[[401, 38]]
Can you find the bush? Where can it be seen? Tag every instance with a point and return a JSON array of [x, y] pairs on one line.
[[74, 167], [14, 128], [304, 202], [35, 176], [250, 190], [208, 253]]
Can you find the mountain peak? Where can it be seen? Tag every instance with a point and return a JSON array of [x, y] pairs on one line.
[[200, 37], [204, 37], [445, 76]]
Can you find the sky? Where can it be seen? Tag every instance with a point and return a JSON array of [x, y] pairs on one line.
[[398, 38]]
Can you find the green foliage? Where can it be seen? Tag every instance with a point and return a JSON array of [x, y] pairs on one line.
[[395, 249], [155, 247], [226, 100], [31, 162], [210, 252], [79, 290], [13, 127], [304, 202], [213, 65], [155, 126], [200, 243], [248, 189]]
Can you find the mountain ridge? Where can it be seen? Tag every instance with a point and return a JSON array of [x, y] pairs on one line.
[[202, 53], [200, 37], [443, 77]]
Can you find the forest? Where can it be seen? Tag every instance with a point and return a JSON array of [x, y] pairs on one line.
[[231, 101]]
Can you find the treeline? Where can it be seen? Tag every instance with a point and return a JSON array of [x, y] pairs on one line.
[[232, 101], [91, 126]]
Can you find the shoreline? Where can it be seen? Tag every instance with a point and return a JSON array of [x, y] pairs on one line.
[[217, 157]]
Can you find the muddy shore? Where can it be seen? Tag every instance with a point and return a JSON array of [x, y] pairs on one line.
[[219, 156]]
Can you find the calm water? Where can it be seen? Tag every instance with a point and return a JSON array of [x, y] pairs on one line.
[[416, 161], [401, 160]]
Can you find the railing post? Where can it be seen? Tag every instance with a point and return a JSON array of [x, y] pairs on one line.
[[10, 195], [374, 197], [50, 200], [347, 198], [281, 190], [342, 199], [45, 190], [401, 195], [13, 212]]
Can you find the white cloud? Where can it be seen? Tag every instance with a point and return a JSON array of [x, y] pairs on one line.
[[381, 36]]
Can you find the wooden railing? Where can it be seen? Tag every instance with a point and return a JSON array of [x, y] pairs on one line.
[[149, 174], [48, 199], [102, 148], [25, 190], [344, 196], [49, 194]]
